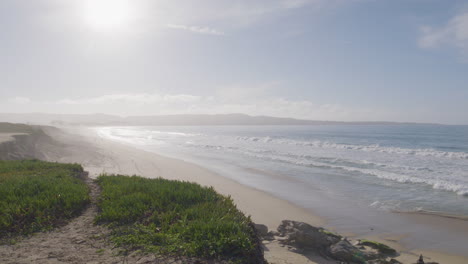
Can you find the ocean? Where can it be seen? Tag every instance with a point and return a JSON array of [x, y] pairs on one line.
[[353, 175]]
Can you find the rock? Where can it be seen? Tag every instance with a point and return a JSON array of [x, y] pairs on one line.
[[382, 248], [384, 261], [270, 236], [303, 235], [421, 259], [262, 230], [344, 251], [273, 233]]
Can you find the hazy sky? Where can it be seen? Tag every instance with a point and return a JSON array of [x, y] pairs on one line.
[[395, 60]]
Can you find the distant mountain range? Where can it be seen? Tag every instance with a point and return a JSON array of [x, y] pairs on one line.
[[169, 120]]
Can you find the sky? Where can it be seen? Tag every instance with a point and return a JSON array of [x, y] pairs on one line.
[[343, 60]]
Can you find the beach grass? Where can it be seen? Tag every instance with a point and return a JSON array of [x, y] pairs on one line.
[[37, 195], [176, 218]]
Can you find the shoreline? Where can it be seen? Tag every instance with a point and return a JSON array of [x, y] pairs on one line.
[[98, 155], [108, 156], [433, 213]]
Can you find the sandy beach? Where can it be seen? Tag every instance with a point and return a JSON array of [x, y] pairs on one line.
[[99, 155], [5, 137]]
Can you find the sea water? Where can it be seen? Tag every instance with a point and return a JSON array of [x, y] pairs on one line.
[[348, 173]]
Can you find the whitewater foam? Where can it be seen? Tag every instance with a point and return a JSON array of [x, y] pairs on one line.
[[368, 148], [423, 175]]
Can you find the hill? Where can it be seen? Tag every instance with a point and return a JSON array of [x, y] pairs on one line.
[[169, 120]]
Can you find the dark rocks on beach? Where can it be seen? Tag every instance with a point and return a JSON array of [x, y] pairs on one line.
[[303, 235], [273, 233], [344, 251], [382, 248], [270, 236], [384, 261], [421, 261], [262, 230]]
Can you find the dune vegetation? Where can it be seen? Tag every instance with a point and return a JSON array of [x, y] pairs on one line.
[[37, 195], [176, 218], [15, 128], [382, 248]]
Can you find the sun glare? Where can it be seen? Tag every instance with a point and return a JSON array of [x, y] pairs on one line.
[[107, 14]]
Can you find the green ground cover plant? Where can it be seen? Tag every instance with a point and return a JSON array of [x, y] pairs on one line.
[[37, 195], [176, 218], [382, 248]]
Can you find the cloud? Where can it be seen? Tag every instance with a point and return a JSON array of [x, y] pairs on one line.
[[196, 29], [453, 34], [222, 13], [148, 16]]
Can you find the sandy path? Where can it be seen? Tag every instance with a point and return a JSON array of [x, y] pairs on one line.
[[5, 137], [80, 241]]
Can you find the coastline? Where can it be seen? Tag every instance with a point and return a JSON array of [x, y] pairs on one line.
[[99, 155]]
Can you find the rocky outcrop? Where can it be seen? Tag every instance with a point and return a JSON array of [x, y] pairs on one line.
[[302, 237], [345, 251], [262, 230], [383, 249]]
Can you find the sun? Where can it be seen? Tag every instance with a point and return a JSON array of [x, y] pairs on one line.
[[105, 15]]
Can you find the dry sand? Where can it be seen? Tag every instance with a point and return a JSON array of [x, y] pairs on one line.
[[5, 137], [99, 155]]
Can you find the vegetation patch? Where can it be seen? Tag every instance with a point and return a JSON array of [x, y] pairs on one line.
[[15, 128], [327, 232], [176, 218], [382, 248], [37, 195]]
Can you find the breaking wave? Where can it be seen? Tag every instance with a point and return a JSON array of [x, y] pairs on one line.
[[367, 148]]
